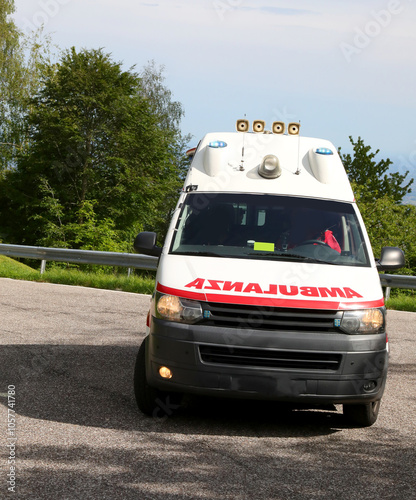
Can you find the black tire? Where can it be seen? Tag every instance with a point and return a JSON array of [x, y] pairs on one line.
[[363, 415], [151, 401]]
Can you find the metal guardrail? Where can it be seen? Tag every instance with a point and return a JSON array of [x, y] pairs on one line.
[[139, 261], [397, 281], [129, 260]]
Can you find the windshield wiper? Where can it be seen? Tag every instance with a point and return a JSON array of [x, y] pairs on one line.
[[293, 256], [201, 253]]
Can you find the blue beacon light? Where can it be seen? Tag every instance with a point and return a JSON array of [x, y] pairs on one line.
[[323, 151], [217, 144]]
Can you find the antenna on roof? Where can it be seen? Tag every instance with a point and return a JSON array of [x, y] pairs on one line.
[[242, 126], [294, 129]]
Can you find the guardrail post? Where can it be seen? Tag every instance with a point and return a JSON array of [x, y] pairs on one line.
[[387, 294], [42, 266]]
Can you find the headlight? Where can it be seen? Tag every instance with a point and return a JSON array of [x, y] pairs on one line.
[[363, 321], [173, 308]]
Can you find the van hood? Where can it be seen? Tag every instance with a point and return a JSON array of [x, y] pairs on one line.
[[269, 283]]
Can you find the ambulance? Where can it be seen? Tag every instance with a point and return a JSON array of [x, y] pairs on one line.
[[266, 287]]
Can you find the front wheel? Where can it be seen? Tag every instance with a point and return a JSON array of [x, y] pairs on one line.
[[363, 415], [150, 400]]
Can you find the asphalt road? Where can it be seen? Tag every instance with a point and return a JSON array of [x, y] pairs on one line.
[[69, 352]]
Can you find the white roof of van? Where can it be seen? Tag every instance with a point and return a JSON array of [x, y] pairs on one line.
[[229, 162]]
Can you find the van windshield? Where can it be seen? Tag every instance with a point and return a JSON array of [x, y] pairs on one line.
[[253, 226]]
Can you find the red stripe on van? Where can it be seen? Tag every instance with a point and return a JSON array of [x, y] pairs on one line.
[[269, 301]]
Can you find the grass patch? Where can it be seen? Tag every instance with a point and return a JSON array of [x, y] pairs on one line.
[[133, 283], [402, 302], [10, 268]]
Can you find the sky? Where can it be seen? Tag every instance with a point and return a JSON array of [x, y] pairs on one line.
[[341, 68]]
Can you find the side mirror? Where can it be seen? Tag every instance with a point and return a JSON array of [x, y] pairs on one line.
[[390, 258], [145, 242]]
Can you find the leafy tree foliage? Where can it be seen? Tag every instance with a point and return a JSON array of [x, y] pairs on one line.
[[379, 195], [169, 114], [99, 161], [11, 74], [21, 60], [372, 176], [391, 224]]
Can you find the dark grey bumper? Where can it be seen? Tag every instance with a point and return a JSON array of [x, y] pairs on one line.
[[239, 369]]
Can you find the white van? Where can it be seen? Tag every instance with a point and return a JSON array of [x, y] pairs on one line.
[[266, 286]]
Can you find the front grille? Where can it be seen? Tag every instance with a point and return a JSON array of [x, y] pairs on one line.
[[268, 358], [270, 318]]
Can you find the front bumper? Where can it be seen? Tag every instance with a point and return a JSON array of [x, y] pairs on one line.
[[318, 368]]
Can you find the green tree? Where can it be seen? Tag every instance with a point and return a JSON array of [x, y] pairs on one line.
[[21, 60], [379, 195], [391, 224], [97, 154], [372, 177], [11, 75], [169, 114]]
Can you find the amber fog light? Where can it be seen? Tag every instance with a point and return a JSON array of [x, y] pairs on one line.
[[370, 385], [165, 372]]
